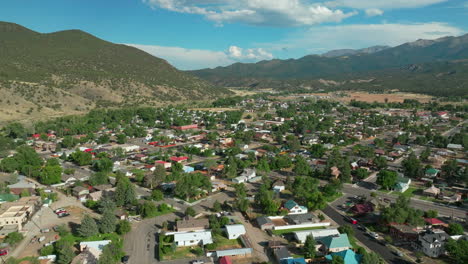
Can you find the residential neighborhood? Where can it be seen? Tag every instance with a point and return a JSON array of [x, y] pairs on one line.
[[260, 179]]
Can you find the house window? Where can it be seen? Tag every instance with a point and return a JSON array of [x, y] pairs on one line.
[[191, 241]]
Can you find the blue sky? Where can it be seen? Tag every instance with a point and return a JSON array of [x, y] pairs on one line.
[[193, 34]]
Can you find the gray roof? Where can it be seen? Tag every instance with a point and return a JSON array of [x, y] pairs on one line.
[[282, 253], [262, 220], [300, 218], [233, 252]]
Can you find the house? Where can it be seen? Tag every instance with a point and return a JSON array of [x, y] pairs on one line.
[[225, 260], [432, 191], [80, 191], [21, 185], [301, 236], [335, 243], [431, 173], [402, 184], [96, 246], [434, 222], [335, 172], [293, 261], [279, 186], [235, 231], [165, 164], [455, 146], [249, 174], [281, 253], [190, 224], [240, 179], [265, 223], [200, 238], [349, 256], [432, 243], [19, 212], [293, 208], [179, 159], [188, 169], [403, 232], [299, 219], [186, 127]]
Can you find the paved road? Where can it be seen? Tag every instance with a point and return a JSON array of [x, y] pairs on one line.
[[416, 203], [383, 251]]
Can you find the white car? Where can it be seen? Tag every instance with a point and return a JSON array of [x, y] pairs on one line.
[[373, 235]]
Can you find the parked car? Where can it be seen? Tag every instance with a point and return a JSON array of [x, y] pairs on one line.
[[3, 252], [58, 210], [361, 227], [197, 262], [63, 215], [373, 235], [352, 220], [398, 253], [45, 230]]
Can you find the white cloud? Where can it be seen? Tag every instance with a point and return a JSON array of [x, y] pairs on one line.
[[249, 54], [256, 12], [324, 38], [383, 4], [190, 59], [374, 12]]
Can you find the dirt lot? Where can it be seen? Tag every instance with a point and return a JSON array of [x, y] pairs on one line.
[[214, 109], [396, 97], [48, 219]]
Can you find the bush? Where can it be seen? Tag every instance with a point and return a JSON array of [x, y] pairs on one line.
[[13, 238], [48, 250], [197, 251]]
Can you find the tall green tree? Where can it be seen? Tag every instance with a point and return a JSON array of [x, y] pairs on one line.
[[387, 179], [64, 251], [309, 247], [412, 167], [108, 222], [88, 227]]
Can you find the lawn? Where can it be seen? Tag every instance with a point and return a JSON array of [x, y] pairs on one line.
[[180, 253], [224, 243], [286, 231], [408, 193]]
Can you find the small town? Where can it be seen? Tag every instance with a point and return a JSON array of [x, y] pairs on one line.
[[266, 178]]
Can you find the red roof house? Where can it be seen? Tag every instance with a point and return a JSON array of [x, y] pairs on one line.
[[179, 159], [434, 222], [225, 260], [361, 209]]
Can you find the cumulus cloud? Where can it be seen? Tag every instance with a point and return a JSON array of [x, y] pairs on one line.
[[249, 54], [374, 12], [256, 12], [191, 59], [383, 4], [324, 38]]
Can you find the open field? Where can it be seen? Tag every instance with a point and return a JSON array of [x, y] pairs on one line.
[[396, 97]]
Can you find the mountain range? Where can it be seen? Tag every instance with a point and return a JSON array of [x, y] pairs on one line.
[[72, 71], [348, 52], [406, 67]]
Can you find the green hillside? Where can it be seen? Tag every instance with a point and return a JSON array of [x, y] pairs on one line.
[[78, 64], [307, 71]]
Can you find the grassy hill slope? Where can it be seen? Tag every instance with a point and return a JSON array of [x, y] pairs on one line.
[[42, 69]]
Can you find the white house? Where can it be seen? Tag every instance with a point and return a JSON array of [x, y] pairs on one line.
[[249, 173], [279, 186], [185, 239], [301, 236], [240, 179], [235, 231], [294, 208]]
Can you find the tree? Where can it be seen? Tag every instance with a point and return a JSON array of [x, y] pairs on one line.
[[263, 165], [242, 204], [217, 206], [337, 260], [110, 254], [15, 130], [309, 247], [431, 214], [457, 250], [25, 193], [99, 178], [157, 195], [14, 238], [455, 229], [362, 173], [346, 229], [81, 158], [301, 167], [231, 168], [387, 179], [147, 209], [121, 138], [124, 227], [380, 162], [157, 177], [50, 174], [190, 212], [107, 223], [64, 251], [124, 192], [88, 227], [106, 203], [103, 165], [317, 150], [412, 167], [240, 190]]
